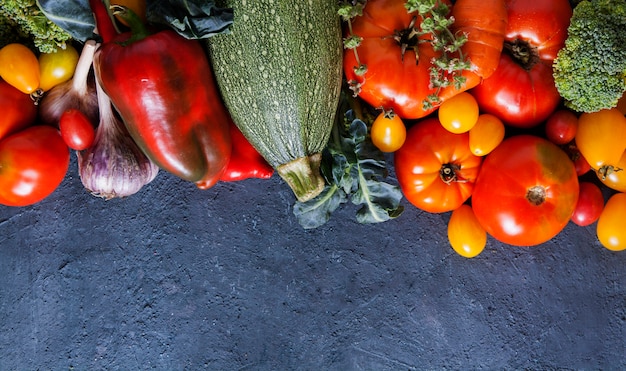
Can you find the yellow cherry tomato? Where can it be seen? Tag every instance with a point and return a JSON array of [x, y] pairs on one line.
[[57, 67], [486, 135], [467, 237], [459, 113], [19, 67], [615, 177], [388, 132], [610, 226], [601, 137]]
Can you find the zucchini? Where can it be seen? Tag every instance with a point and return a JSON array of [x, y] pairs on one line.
[[279, 71]]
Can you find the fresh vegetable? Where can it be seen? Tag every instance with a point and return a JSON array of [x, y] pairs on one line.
[[19, 67], [17, 110], [465, 234], [138, 7], [589, 205], [580, 162], [522, 92], [589, 71], [33, 163], [486, 134], [561, 126], [76, 130], [168, 101], [57, 67], [113, 166], [279, 71], [526, 191], [610, 227], [615, 176], [435, 168], [354, 170], [245, 161], [77, 93], [601, 139], [33, 23], [411, 60], [388, 132], [459, 113]]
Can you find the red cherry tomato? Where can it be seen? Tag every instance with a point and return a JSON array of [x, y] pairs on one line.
[[17, 110], [33, 162], [526, 191], [589, 206], [561, 126], [76, 129]]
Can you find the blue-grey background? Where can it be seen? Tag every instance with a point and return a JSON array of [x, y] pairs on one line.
[[174, 278]]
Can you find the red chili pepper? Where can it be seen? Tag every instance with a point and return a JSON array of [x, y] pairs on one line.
[[245, 161], [163, 87]]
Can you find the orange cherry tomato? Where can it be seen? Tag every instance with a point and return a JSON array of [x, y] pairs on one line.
[[610, 228], [19, 67], [465, 234], [486, 135], [459, 113], [388, 132], [601, 137], [615, 177]]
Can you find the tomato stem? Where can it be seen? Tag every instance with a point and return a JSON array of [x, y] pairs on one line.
[[536, 195], [522, 53]]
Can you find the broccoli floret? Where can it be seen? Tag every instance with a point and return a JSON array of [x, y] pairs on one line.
[[590, 70], [19, 18]]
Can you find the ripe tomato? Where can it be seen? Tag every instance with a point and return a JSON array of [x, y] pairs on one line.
[[57, 67], [561, 126], [522, 91], [601, 138], [394, 79], [589, 205], [610, 228], [76, 130], [33, 162], [486, 135], [19, 67], [435, 168], [17, 110], [465, 234], [459, 113], [388, 132], [526, 191]]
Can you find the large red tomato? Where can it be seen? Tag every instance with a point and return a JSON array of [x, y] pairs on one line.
[[17, 110], [526, 191], [435, 168], [33, 162], [399, 61], [522, 92]]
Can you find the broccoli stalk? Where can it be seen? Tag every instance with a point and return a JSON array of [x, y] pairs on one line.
[[590, 70], [21, 19]]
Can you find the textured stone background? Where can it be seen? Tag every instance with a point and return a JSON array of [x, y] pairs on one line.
[[174, 278]]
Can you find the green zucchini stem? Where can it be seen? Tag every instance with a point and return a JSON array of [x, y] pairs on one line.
[[303, 176]]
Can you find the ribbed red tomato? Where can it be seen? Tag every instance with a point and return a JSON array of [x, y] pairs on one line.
[[522, 92], [526, 191], [436, 169]]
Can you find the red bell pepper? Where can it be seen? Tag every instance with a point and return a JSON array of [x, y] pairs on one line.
[[245, 161], [163, 88]]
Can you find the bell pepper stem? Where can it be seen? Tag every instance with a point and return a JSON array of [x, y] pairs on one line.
[[138, 29]]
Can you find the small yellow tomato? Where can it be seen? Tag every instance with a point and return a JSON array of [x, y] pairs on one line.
[[615, 177], [388, 132], [486, 135], [601, 137], [19, 67], [459, 113], [610, 226], [467, 237], [57, 67]]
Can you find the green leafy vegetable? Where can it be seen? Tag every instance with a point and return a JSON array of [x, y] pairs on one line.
[[353, 168], [193, 19]]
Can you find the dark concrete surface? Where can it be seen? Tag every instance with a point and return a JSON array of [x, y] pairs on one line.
[[175, 278]]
